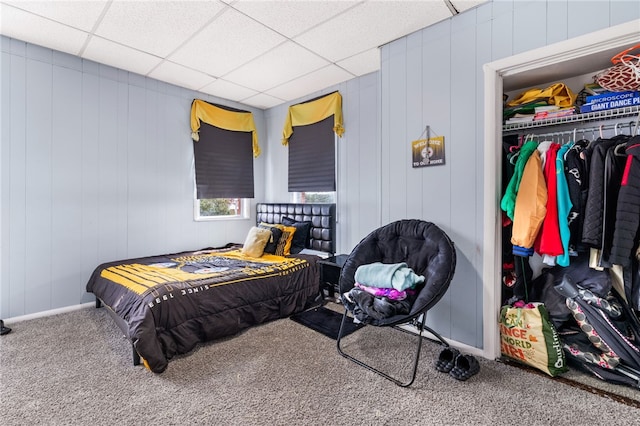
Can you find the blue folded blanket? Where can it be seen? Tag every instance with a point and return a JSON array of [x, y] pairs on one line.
[[388, 275]]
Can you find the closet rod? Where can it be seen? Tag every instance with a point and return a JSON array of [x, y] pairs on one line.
[[618, 127]]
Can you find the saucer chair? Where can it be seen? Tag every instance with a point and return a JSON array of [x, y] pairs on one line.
[[428, 251]]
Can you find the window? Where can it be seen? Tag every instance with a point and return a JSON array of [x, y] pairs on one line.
[[310, 132], [224, 145]]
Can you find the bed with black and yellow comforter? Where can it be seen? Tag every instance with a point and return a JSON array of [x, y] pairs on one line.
[[171, 303]]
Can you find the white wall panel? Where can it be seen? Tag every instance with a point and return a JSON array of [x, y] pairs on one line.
[[350, 165], [622, 11], [385, 131], [502, 29], [588, 16], [5, 171], [138, 173], [529, 25], [106, 172], [38, 183], [557, 17], [120, 144], [66, 194], [15, 289], [89, 170], [397, 160], [365, 215], [416, 123]]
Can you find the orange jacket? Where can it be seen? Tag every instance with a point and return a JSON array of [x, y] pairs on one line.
[[531, 207]]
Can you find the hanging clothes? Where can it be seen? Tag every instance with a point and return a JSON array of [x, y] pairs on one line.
[[564, 205], [625, 236], [594, 209], [508, 201], [614, 165], [576, 163], [548, 243], [530, 206]]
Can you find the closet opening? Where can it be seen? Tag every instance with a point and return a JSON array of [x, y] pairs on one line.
[[588, 53]]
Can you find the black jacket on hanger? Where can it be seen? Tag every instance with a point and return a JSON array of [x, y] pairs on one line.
[[594, 210], [625, 237]]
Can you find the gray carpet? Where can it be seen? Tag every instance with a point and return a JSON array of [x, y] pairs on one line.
[[75, 368]]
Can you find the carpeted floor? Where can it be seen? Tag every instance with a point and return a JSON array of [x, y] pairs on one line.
[[75, 368]]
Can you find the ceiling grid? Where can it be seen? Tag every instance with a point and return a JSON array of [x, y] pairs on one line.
[[261, 53]]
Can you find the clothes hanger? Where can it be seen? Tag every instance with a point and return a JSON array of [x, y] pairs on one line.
[[620, 149], [513, 154], [515, 148]]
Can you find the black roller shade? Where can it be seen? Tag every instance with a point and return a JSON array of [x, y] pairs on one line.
[[312, 157], [224, 163]]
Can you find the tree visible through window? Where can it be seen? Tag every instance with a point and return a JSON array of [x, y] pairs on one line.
[[314, 197], [220, 207]]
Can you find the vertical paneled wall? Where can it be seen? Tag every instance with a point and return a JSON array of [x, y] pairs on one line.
[[358, 158], [96, 165], [434, 77]]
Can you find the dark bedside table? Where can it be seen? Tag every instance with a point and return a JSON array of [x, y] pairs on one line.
[[330, 269]]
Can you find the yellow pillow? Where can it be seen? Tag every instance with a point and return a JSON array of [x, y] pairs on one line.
[[284, 245], [256, 239]]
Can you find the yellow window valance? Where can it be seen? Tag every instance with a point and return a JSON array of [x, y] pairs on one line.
[[238, 121], [312, 112]]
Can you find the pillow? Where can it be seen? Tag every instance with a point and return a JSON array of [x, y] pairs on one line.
[[256, 240], [302, 236], [276, 234], [284, 244]]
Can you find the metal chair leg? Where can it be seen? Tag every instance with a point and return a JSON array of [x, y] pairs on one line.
[[421, 327]]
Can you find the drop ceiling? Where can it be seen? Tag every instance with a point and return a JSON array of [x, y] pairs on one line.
[[259, 53]]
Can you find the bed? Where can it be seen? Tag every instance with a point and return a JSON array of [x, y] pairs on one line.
[[168, 304]]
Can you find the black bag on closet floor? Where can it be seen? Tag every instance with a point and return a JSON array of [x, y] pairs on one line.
[[543, 287], [609, 343]]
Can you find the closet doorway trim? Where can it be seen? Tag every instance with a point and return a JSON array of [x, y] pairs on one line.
[[494, 74]]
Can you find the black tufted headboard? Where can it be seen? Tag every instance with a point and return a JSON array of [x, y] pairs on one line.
[[321, 216]]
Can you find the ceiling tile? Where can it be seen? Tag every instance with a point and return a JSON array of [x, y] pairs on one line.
[[181, 76], [228, 42], [291, 18], [123, 57], [19, 24], [371, 24], [284, 63], [362, 63], [72, 13], [156, 27], [312, 82], [262, 101], [227, 90]]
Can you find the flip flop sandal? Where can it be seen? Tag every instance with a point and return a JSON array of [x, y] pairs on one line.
[[447, 359], [465, 367]]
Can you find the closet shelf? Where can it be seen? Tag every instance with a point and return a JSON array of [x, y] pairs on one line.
[[590, 116]]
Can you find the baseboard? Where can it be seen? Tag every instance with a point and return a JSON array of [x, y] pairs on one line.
[[42, 314], [471, 350]]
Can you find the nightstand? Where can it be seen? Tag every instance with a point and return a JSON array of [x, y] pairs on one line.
[[330, 269]]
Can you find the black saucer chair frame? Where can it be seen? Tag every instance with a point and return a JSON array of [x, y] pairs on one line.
[[428, 251]]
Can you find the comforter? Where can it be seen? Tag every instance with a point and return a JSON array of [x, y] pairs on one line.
[[171, 303]]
